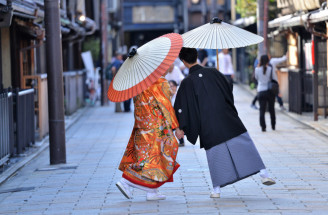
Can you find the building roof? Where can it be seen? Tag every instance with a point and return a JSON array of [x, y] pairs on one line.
[[25, 7], [299, 19]]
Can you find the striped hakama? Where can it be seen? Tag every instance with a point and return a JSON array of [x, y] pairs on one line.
[[233, 160]]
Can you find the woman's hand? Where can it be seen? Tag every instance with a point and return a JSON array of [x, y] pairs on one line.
[[179, 133]]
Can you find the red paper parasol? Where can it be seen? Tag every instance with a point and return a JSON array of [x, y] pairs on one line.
[[144, 66]]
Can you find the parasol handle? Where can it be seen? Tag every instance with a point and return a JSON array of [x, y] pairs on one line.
[[217, 59]]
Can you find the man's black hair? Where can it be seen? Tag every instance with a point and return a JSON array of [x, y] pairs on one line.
[[188, 54]]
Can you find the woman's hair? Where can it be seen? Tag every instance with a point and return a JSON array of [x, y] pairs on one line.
[[264, 60], [188, 54], [173, 82]]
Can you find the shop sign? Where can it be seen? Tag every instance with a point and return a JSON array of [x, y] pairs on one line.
[[152, 14]]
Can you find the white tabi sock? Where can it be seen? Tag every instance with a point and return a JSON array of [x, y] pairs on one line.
[[264, 173], [150, 190], [217, 189]]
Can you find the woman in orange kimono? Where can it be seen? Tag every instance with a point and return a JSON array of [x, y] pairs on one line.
[[149, 160]]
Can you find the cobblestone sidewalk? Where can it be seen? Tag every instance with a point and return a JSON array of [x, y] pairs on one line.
[[296, 155]]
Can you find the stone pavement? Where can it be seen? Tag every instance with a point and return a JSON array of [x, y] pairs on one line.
[[16, 163], [295, 154]]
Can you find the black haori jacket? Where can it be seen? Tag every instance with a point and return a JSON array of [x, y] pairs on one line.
[[205, 107]]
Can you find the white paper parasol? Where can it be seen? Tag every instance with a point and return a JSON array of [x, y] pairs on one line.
[[219, 35], [144, 66]]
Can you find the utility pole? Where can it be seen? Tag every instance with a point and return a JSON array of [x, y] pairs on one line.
[[103, 48], [315, 77], [1, 84], [262, 25], [327, 49], [55, 82], [185, 15]]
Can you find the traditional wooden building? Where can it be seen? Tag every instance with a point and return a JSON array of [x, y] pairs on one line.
[[23, 74], [202, 11], [145, 19], [302, 30]]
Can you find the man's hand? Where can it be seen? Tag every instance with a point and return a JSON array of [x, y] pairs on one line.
[[179, 133]]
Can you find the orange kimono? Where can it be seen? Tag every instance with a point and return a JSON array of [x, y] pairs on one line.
[[149, 158]]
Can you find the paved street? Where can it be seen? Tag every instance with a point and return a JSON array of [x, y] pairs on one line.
[[296, 156]]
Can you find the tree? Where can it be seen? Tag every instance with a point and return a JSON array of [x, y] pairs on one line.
[[92, 44], [246, 8]]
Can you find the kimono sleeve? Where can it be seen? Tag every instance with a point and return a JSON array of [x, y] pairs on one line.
[[187, 112], [162, 94]]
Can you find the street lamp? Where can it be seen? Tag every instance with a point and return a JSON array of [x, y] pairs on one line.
[[82, 18]]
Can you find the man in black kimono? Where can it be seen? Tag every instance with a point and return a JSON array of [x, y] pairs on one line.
[[205, 107]]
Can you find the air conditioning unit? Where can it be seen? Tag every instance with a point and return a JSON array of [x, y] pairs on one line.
[[112, 6]]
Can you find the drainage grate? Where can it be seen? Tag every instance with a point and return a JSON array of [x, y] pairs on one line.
[[18, 189]]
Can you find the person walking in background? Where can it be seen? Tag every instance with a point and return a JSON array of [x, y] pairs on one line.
[[174, 89], [204, 106], [174, 73], [92, 92], [273, 62], [183, 68], [149, 160], [175, 76], [117, 63], [225, 65], [263, 74], [203, 57], [127, 103]]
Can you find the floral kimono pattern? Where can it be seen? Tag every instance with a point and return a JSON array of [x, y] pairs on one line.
[[149, 158]]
